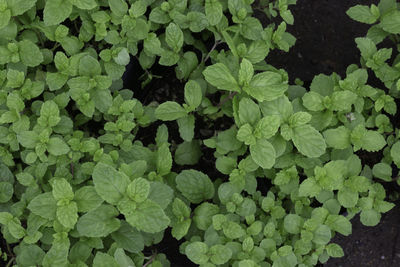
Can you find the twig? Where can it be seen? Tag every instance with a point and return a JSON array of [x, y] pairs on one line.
[[150, 260], [229, 97], [212, 49], [10, 262]]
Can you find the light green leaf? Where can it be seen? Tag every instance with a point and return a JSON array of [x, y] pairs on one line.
[[246, 72], [29, 53], [148, 217], [186, 127], [322, 235], [339, 223], [169, 111], [338, 138], [28, 139], [118, 7], [213, 11], [391, 22], [193, 94], [19, 7], [266, 86], [87, 199], [128, 238], [174, 37], [104, 260], [334, 250], [249, 112], [62, 190], [67, 214], [309, 187], [395, 153], [219, 75], [370, 217], [292, 223], [138, 190], [109, 183], [195, 185], [99, 222], [197, 252], [382, 171], [373, 141], [56, 11], [220, 254], [263, 153], [308, 141], [56, 146], [44, 205], [89, 66], [164, 160], [85, 4], [361, 14], [347, 198], [6, 191]]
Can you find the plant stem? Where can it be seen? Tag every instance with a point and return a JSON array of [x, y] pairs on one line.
[[212, 49], [229, 97], [150, 260]]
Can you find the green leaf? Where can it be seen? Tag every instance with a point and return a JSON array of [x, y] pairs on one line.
[[382, 171], [338, 138], [180, 229], [19, 7], [99, 222], [49, 114], [67, 214], [148, 217], [56, 80], [28, 139], [193, 94], [6, 191], [197, 252], [361, 14], [366, 46], [342, 101], [347, 198], [161, 194], [245, 134], [56, 146], [292, 223], [299, 118], [5, 17], [128, 238], [195, 185], [164, 160], [370, 217], [84, 4], [44, 205], [373, 141], [334, 250], [322, 235], [395, 153], [249, 112], [169, 111], [109, 183], [89, 66], [15, 228], [56, 11], [263, 153], [186, 127], [246, 72], [309, 187], [266, 86], [251, 28], [29, 53], [138, 190], [87, 199], [339, 223], [219, 75], [174, 37], [308, 141], [104, 260], [118, 7], [220, 254], [188, 153], [62, 190], [391, 22], [213, 11]]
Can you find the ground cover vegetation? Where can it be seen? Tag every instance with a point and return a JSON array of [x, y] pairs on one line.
[[238, 165]]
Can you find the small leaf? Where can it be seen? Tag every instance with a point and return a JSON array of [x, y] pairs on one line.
[[195, 185], [220, 76], [169, 111]]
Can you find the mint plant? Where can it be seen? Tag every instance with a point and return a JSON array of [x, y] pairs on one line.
[[82, 185]]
